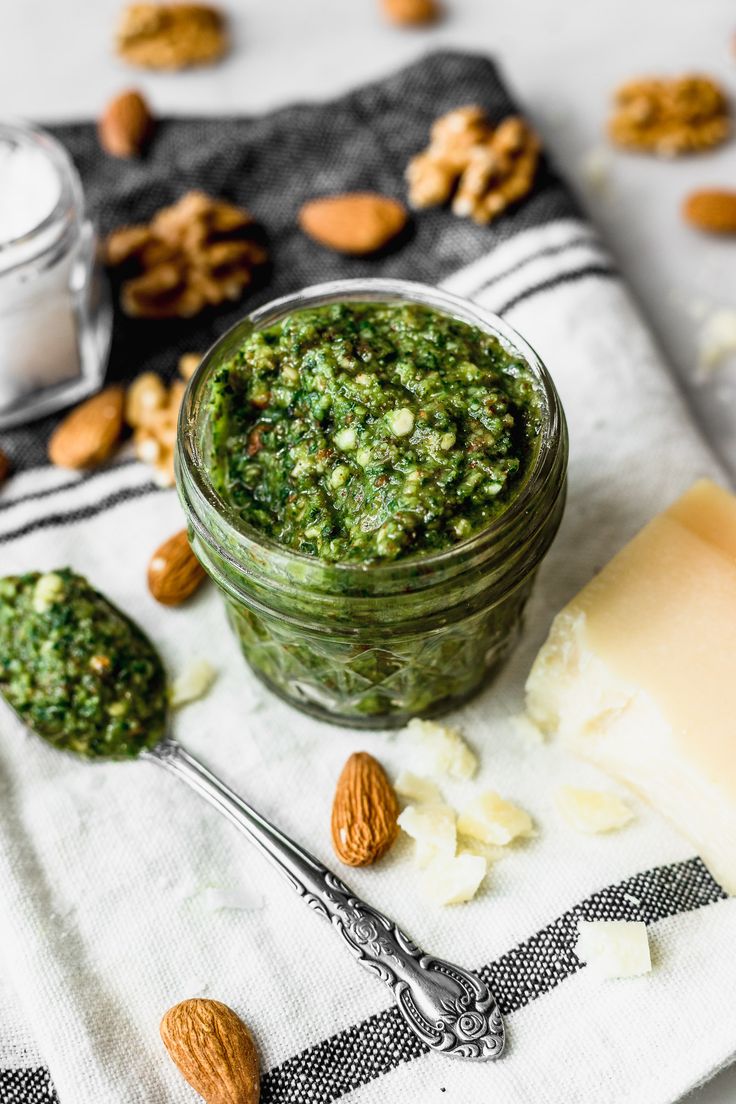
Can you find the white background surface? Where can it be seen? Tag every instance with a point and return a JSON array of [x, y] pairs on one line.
[[562, 60]]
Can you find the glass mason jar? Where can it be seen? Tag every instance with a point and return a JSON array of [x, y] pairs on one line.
[[55, 316], [371, 645]]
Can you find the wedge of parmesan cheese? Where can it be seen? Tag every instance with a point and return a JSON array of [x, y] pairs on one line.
[[638, 674], [614, 948]]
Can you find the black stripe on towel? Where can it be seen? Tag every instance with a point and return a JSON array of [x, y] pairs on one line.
[[329, 1070], [596, 270], [358, 1054], [581, 241], [82, 513]]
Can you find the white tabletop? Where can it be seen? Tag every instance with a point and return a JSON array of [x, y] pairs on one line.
[[562, 58]]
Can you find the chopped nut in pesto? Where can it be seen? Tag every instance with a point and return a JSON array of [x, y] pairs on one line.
[[76, 670], [365, 432]]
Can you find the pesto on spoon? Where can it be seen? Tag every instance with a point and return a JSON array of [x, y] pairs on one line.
[[76, 669], [84, 677]]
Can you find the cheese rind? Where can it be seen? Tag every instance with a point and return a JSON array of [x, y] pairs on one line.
[[638, 674]]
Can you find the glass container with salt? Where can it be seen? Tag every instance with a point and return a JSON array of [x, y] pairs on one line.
[[55, 315]]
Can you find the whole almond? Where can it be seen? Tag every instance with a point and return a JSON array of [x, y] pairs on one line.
[[412, 13], [88, 435], [5, 466], [213, 1050], [356, 222], [714, 211], [364, 812], [174, 572], [126, 125]]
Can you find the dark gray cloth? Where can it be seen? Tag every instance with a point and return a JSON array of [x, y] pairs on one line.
[[271, 165]]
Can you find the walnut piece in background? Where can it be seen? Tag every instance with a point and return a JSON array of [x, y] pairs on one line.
[[194, 254], [171, 36], [486, 169], [152, 412], [670, 117]]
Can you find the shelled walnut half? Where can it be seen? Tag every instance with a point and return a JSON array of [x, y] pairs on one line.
[[171, 36], [483, 169], [670, 117], [196, 253]]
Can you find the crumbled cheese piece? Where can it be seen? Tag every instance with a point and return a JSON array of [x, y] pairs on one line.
[[401, 421], [491, 852], [449, 880], [414, 788], [47, 591], [432, 827], [614, 948], [592, 810], [717, 341], [595, 168], [339, 475], [345, 439], [436, 749], [193, 682], [491, 819]]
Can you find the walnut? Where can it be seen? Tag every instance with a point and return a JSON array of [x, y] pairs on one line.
[[152, 412], [171, 36], [670, 117], [486, 169], [188, 364], [194, 254]]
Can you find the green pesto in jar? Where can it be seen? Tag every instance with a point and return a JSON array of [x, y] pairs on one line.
[[366, 432], [76, 670]]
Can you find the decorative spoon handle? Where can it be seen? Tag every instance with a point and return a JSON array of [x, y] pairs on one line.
[[450, 1009]]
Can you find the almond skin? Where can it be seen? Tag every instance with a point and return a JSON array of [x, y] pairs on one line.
[[213, 1050], [714, 211], [411, 13], [126, 125], [87, 436], [5, 467], [174, 572], [356, 223], [364, 812]]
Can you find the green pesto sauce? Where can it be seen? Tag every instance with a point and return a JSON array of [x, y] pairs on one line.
[[76, 670], [368, 432]]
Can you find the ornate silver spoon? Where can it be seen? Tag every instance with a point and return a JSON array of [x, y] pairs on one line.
[[84, 677], [451, 1009]]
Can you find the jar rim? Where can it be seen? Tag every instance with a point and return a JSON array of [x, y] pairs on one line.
[[68, 202], [192, 469]]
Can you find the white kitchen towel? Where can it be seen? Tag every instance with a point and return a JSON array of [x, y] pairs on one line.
[[122, 893]]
